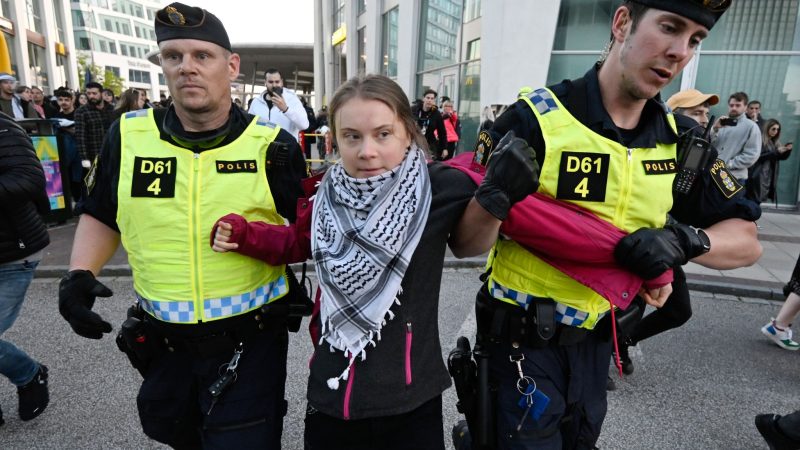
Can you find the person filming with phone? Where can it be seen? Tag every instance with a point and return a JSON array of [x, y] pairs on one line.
[[737, 138], [280, 106]]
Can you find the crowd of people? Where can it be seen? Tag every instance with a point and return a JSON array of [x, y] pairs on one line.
[[566, 284]]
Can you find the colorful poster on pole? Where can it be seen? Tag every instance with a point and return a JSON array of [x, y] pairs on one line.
[[47, 151]]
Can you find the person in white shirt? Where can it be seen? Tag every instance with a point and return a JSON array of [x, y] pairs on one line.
[[280, 106]]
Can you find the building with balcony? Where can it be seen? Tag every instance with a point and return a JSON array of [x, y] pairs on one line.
[[40, 42]]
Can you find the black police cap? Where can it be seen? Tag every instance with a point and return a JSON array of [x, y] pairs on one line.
[[704, 12], [179, 21]]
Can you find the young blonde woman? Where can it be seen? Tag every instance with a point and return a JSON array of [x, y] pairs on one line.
[[382, 220]]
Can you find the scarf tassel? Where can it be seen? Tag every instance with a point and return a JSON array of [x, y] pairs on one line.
[[333, 383]]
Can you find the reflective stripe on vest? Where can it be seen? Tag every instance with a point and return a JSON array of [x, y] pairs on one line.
[[619, 185], [169, 198]]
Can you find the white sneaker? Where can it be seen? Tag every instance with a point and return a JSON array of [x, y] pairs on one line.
[[782, 338]]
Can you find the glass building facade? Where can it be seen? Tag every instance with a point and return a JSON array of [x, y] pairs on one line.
[[436, 44]]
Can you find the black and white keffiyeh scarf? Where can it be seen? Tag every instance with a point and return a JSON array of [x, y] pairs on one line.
[[365, 232]]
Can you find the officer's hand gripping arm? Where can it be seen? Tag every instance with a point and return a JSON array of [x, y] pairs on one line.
[[512, 174], [648, 252], [76, 295]]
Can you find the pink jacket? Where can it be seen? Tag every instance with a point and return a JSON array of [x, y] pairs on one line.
[[571, 239]]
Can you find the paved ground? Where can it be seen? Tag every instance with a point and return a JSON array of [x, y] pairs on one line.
[[698, 387]]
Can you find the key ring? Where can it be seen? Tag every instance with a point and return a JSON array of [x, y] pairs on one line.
[[528, 381]]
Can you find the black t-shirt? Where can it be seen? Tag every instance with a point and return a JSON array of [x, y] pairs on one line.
[[285, 169], [708, 202], [380, 386]]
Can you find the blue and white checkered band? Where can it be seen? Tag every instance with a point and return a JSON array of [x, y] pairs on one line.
[[543, 101], [566, 315], [216, 308], [138, 113]]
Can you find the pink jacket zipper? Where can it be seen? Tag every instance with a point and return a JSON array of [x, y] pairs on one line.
[[409, 336], [349, 390]]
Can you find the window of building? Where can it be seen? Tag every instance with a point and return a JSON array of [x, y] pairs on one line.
[[108, 26], [123, 49], [83, 43], [34, 12], [440, 24], [139, 76], [472, 10], [362, 50], [112, 69], [389, 43], [37, 66], [59, 13], [361, 7], [126, 29], [161, 80], [473, 49], [338, 13], [5, 9], [112, 47]]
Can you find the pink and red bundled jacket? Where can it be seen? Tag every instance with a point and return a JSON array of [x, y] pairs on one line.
[[550, 229]]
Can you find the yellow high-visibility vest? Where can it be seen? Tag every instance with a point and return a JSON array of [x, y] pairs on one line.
[[630, 188], [169, 198]]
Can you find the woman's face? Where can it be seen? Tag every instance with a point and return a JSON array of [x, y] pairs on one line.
[[139, 100], [774, 130], [371, 138], [82, 99]]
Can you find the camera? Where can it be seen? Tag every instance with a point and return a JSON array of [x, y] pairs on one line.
[[275, 91], [728, 121]]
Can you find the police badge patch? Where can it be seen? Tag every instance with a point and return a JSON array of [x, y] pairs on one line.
[[483, 147], [175, 16], [726, 183]]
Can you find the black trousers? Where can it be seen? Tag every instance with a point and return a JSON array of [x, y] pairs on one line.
[[174, 401], [420, 429]]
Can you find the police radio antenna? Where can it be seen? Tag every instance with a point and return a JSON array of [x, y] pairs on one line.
[[707, 133]]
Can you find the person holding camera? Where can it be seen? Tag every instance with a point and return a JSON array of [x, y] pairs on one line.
[[737, 138], [280, 106]]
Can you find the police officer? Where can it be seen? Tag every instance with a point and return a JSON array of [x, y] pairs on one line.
[[605, 142], [215, 365]]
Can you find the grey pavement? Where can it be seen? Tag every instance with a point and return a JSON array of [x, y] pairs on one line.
[[697, 387], [779, 234]]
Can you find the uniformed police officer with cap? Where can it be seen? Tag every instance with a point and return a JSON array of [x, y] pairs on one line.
[[212, 354], [607, 143]]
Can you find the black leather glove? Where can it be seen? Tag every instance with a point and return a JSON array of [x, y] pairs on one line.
[[512, 174], [649, 252], [76, 294]]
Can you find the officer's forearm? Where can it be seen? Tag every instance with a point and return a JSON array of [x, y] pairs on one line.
[[94, 245], [734, 244], [475, 233]]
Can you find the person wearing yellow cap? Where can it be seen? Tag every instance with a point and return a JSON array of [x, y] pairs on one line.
[[208, 331], [694, 104], [606, 143]]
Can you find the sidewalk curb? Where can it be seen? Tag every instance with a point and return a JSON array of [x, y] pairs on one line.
[[716, 287]]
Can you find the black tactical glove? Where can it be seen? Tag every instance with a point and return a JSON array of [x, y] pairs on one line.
[[76, 294], [512, 174], [649, 252]]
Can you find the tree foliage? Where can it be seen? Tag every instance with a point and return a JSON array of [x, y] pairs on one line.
[[107, 78]]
